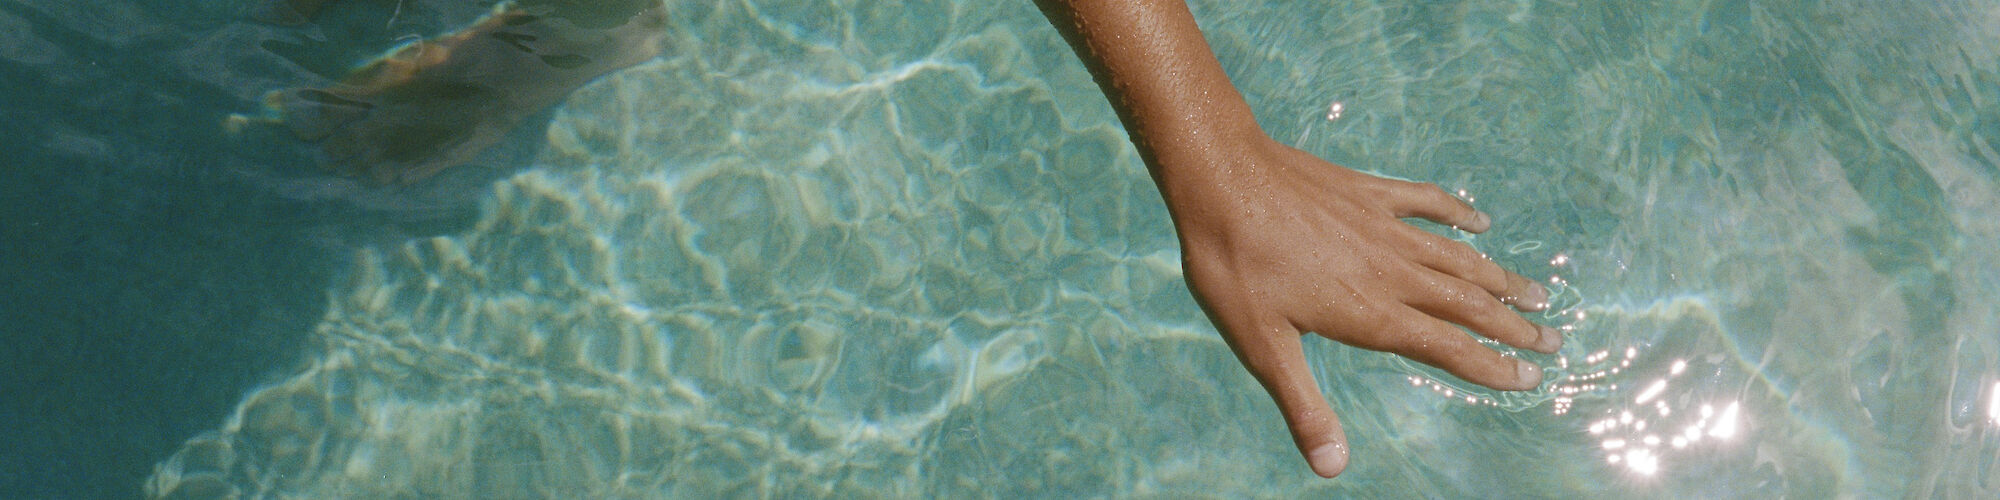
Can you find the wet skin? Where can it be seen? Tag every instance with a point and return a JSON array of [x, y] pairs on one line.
[[1276, 242]]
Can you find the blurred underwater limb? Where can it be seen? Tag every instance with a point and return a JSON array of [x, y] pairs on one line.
[[441, 102]]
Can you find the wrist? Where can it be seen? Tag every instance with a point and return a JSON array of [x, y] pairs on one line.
[[1198, 140], [1151, 60], [1200, 157]]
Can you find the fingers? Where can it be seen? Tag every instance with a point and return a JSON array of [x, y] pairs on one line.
[[1454, 258], [1434, 342], [1278, 361], [1430, 202], [1525, 294], [1460, 302], [1459, 260]]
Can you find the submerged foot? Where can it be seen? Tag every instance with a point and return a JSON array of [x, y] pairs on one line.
[[439, 103]]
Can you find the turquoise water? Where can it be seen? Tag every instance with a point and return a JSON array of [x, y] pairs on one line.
[[896, 249]]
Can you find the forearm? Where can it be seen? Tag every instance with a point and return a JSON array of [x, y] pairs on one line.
[[1153, 65]]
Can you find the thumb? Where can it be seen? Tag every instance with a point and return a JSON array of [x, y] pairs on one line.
[[1277, 359]]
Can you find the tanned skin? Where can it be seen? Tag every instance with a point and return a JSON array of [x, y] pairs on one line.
[[1276, 242]]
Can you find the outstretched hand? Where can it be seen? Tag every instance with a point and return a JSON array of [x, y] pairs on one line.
[[1277, 242], [1281, 242]]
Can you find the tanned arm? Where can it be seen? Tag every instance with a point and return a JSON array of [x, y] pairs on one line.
[[1276, 242]]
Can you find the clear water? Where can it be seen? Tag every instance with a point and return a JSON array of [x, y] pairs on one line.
[[902, 248]]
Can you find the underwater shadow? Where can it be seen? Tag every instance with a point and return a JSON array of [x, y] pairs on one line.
[[159, 265]]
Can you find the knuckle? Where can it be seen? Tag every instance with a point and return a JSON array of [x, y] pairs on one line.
[[1380, 314], [1438, 193], [1410, 338], [1383, 189], [1457, 291], [1308, 416], [1488, 275], [1465, 262], [1491, 371], [1381, 333], [1431, 194], [1525, 332]]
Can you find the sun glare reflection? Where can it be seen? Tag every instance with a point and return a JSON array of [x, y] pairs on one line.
[[1993, 404], [1448, 392], [1666, 416], [1658, 422]]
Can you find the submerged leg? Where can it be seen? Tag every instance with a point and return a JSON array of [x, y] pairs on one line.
[[288, 12], [438, 103]]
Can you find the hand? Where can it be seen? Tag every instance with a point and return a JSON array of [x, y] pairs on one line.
[[1277, 242]]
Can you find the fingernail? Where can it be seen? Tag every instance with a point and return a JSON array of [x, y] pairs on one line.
[[1328, 459], [1480, 222], [1538, 298], [1550, 340], [1531, 375]]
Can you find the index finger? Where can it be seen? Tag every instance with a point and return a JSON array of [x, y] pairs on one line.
[[1430, 202]]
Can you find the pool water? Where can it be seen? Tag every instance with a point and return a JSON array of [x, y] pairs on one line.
[[902, 248]]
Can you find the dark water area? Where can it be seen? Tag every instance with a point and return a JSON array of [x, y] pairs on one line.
[[155, 266]]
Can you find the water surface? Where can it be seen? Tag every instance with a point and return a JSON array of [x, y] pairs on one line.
[[903, 249]]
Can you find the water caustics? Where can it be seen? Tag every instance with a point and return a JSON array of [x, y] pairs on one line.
[[770, 263]]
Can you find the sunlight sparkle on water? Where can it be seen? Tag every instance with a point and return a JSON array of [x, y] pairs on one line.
[[1659, 423], [1643, 461], [1651, 391], [1993, 404], [1725, 426]]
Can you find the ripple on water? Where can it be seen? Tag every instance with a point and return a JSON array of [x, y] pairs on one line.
[[817, 251]]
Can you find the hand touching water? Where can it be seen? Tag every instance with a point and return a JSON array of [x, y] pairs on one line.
[[1276, 242], [1286, 243]]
